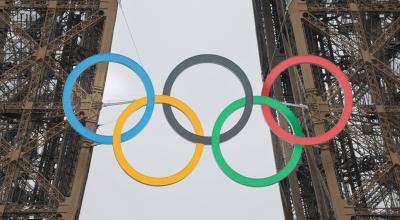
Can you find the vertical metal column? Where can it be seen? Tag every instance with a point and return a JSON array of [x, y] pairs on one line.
[[356, 175], [43, 163]]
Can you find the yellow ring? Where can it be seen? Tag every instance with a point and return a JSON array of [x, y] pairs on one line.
[[132, 172]]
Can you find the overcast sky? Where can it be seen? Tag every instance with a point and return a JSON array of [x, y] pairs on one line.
[[167, 32]]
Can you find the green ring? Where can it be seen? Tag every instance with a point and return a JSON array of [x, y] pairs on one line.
[[248, 181]]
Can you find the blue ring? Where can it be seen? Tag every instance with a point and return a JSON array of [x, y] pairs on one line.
[[81, 67]]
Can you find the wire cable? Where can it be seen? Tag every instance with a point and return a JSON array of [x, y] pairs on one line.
[[111, 104], [130, 32]]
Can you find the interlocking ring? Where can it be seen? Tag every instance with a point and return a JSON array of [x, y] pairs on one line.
[[348, 99], [157, 181], [198, 137], [248, 181], [222, 61], [79, 69]]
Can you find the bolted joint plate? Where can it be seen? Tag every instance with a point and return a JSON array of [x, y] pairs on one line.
[[395, 158], [317, 106], [41, 53], [15, 154], [52, 4]]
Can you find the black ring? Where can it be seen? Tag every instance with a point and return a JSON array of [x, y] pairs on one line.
[[224, 62]]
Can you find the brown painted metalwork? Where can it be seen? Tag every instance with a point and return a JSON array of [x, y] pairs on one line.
[[43, 163], [356, 175]]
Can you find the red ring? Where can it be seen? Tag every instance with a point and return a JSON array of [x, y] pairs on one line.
[[331, 67]]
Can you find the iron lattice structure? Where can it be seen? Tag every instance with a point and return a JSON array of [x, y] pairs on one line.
[[43, 163], [357, 174]]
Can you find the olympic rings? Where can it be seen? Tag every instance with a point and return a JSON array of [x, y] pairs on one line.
[[155, 181], [81, 67], [222, 61], [149, 101], [257, 182], [348, 98]]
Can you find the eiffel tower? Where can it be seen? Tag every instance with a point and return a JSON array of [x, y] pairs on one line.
[[44, 164], [357, 174]]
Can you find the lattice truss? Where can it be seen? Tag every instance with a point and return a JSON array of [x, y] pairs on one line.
[[41, 41], [363, 38]]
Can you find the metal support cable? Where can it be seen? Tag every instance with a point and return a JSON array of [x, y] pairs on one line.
[[130, 32], [109, 104]]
